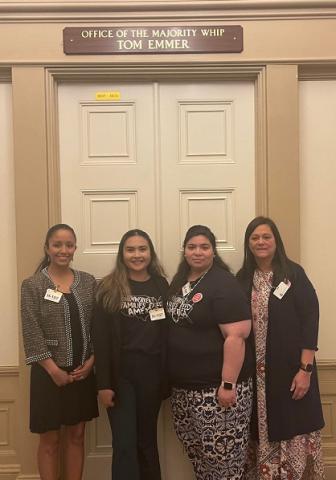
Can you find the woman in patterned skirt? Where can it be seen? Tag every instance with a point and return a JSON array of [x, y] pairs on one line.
[[287, 418], [210, 363]]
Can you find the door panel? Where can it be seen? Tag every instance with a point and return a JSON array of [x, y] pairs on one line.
[[107, 168], [207, 144], [163, 157]]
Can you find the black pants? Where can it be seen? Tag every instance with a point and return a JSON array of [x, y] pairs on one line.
[[133, 419]]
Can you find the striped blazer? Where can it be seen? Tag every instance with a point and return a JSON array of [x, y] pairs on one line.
[[46, 325]]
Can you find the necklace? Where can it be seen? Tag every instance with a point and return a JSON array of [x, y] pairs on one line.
[[193, 288], [186, 291], [62, 284]]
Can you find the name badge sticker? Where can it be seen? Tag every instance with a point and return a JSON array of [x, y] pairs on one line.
[[53, 295], [281, 289], [157, 314], [186, 289]]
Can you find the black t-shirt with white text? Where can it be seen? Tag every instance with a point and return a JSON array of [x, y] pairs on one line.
[[139, 332], [195, 342]]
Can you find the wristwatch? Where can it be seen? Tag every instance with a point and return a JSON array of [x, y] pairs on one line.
[[228, 385], [306, 367]]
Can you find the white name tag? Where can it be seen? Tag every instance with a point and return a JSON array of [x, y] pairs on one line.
[[53, 295], [157, 314], [281, 289], [186, 289]]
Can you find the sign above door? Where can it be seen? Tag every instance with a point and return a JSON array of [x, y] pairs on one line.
[[153, 39]]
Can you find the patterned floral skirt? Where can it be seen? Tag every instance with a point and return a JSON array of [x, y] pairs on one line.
[[296, 459], [215, 438]]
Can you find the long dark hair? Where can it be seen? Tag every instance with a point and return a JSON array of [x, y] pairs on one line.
[[59, 226], [183, 268], [115, 286], [281, 264]]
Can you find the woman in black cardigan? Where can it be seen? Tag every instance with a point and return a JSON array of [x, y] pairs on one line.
[[287, 417], [129, 341]]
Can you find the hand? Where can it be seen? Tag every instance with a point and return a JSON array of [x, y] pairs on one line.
[[300, 385], [81, 372], [226, 398], [106, 397], [60, 377]]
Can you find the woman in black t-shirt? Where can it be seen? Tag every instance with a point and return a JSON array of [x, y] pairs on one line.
[[210, 362], [129, 341]]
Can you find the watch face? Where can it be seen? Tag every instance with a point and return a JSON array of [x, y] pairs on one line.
[[227, 386], [309, 367]]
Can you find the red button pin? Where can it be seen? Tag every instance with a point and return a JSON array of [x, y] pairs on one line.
[[197, 297]]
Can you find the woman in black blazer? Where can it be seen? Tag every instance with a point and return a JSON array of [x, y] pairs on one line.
[[287, 415], [56, 309]]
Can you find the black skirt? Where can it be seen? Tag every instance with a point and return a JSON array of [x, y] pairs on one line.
[[52, 406]]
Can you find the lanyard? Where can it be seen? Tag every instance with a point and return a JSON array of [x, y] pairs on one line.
[[185, 297], [193, 288]]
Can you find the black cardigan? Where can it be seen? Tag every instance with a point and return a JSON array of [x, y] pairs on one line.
[[106, 336], [292, 326]]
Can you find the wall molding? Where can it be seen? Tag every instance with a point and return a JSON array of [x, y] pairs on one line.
[[205, 10], [28, 477], [5, 75], [317, 72], [9, 472], [9, 394], [9, 469], [326, 364], [327, 383], [9, 371]]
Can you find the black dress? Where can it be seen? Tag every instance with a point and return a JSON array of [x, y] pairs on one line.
[[52, 406]]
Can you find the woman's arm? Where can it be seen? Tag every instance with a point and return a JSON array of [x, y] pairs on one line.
[[103, 347], [102, 344], [307, 307], [59, 376], [301, 381], [233, 357], [83, 371], [106, 397], [34, 342]]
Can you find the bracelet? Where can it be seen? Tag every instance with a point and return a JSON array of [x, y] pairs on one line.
[[228, 385]]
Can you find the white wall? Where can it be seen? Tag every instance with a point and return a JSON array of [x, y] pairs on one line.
[[8, 281], [318, 201]]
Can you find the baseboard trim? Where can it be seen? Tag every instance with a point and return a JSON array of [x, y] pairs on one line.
[[330, 467], [28, 477], [9, 471], [326, 364], [10, 468], [9, 371]]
